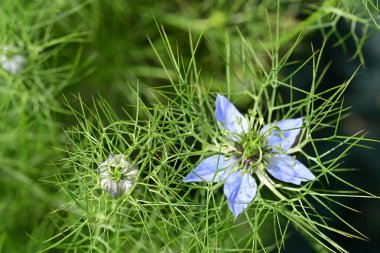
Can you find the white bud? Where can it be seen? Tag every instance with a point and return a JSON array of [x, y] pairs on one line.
[[121, 186], [13, 64]]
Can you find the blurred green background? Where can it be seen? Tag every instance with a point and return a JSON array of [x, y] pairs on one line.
[[104, 48]]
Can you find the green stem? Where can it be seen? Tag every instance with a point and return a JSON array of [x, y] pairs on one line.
[[264, 179], [309, 21]]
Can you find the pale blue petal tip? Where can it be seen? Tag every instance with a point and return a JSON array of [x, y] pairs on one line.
[[191, 177], [212, 169], [240, 189], [288, 169], [232, 120]]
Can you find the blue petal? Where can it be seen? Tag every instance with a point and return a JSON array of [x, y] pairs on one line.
[[212, 169], [288, 169], [285, 138], [240, 190], [231, 118]]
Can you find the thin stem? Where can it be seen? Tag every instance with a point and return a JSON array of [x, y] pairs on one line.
[[264, 179]]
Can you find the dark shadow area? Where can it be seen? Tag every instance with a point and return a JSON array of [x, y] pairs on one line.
[[363, 95]]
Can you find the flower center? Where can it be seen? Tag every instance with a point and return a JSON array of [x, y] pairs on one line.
[[116, 172], [252, 147]]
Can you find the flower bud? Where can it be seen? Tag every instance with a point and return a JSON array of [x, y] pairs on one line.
[[10, 61], [117, 175]]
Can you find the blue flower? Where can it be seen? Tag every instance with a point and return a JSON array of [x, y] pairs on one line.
[[265, 148]]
